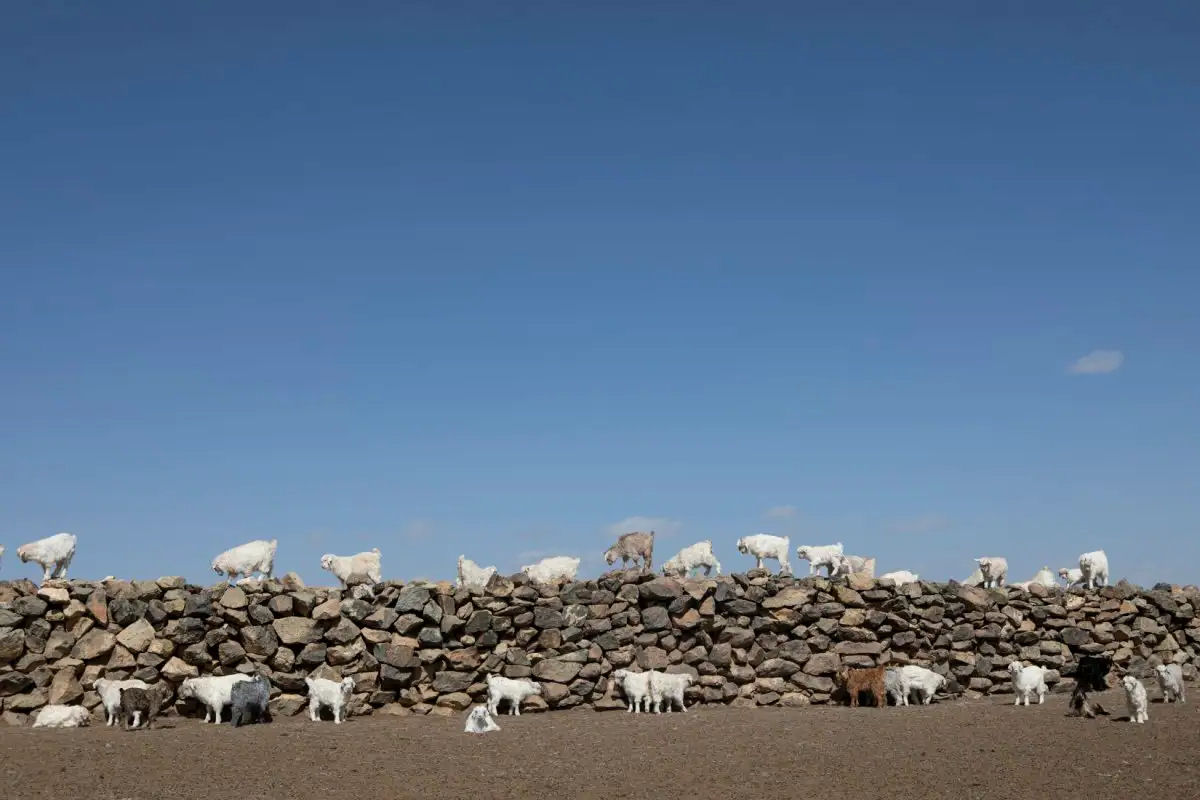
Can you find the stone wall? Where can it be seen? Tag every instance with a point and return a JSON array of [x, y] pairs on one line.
[[751, 639]]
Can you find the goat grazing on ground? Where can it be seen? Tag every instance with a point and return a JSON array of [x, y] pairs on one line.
[[213, 692], [994, 570], [334, 695], [690, 558], [55, 716], [366, 564], [246, 559], [556, 569], [636, 686], [480, 721], [514, 690], [1135, 697], [1091, 673], [763, 546], [922, 680], [869, 679], [1026, 682], [632, 547], [54, 554], [823, 555], [471, 574], [250, 701], [1170, 680], [1093, 569], [110, 696], [667, 688], [138, 706]]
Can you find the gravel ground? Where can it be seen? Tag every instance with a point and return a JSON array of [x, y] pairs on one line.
[[959, 750]]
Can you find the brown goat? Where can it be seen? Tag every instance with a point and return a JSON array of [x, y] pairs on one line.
[[632, 546], [864, 680]]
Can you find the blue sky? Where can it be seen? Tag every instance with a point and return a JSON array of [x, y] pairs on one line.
[[492, 278]]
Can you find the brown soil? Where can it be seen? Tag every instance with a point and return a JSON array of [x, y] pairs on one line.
[[959, 750]]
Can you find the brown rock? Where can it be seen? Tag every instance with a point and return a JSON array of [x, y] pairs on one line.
[[94, 644], [137, 637], [297, 630]]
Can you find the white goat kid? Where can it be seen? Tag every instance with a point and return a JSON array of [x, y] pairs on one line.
[[514, 690], [471, 574], [1135, 697], [366, 564], [925, 682], [690, 558], [764, 545], [334, 695], [823, 555], [246, 559], [1026, 682], [1044, 577], [1072, 575], [900, 577], [55, 716], [110, 696], [480, 721], [556, 569], [994, 570], [667, 688], [213, 692], [1093, 569], [54, 554], [636, 686], [1170, 680]]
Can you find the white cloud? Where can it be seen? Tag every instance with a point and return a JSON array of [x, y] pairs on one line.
[[418, 530], [924, 523], [781, 512], [661, 526], [1098, 362]]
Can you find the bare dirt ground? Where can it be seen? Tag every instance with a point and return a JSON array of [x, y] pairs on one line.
[[960, 750]]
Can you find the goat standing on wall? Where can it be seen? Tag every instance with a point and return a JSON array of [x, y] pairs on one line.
[[633, 546]]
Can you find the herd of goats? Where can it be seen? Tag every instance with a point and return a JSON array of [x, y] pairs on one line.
[[248, 696]]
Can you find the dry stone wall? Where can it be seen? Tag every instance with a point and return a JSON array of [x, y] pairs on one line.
[[751, 639]]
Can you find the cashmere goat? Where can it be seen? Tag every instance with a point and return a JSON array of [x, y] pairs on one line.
[[994, 570], [690, 558], [556, 569], [54, 554], [1093, 569], [471, 574], [823, 555], [213, 692], [870, 679], [246, 559], [514, 690], [334, 695], [1170, 680], [632, 547], [636, 687], [54, 716], [1026, 682], [110, 696], [480, 721], [667, 688], [763, 546], [365, 564], [1135, 697], [138, 706], [250, 701]]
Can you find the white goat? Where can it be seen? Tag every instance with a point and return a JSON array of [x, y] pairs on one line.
[[764, 545], [894, 686], [480, 721], [900, 577], [246, 559], [556, 569], [974, 579], [54, 554], [110, 696], [214, 692], [1044, 577], [334, 695], [62, 717], [1093, 569], [1027, 681], [1170, 680], [823, 555], [994, 570], [1135, 696], [857, 565], [514, 690], [471, 574], [365, 564], [667, 688], [636, 686], [1072, 575], [924, 681], [692, 557]]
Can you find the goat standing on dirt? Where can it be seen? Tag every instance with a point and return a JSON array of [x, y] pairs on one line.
[[871, 679]]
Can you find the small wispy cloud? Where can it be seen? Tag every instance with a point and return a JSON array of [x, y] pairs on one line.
[[1097, 362], [662, 526], [418, 530], [781, 512], [923, 523]]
